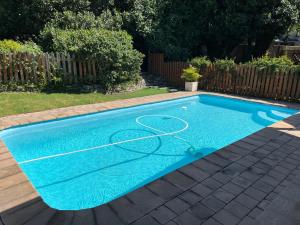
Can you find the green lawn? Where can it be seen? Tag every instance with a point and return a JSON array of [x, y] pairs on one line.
[[16, 103]]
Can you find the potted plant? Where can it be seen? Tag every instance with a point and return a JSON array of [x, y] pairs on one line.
[[191, 77]]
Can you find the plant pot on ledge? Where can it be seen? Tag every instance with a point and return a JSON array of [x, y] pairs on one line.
[[191, 86], [191, 77]]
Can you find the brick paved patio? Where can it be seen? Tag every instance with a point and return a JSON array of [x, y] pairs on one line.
[[253, 181]]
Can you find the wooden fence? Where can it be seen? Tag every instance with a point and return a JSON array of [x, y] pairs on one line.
[[22, 68], [245, 80]]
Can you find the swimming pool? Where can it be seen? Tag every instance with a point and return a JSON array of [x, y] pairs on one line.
[[83, 162]]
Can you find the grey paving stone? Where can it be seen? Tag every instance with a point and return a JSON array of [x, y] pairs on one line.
[[269, 162], [255, 213], [264, 204], [105, 216], [187, 219], [163, 214], [84, 217], [241, 181], [250, 176], [190, 197], [170, 223], [245, 145], [61, 218], [201, 190], [211, 221], [247, 201], [127, 211], [164, 189], [232, 188], [270, 180], [237, 149], [145, 220], [228, 154], [177, 205], [220, 161], [40, 219], [145, 199], [223, 195], [255, 194], [201, 212], [234, 170], [213, 203], [262, 186], [180, 180], [237, 209], [226, 218], [276, 175], [247, 221], [211, 183], [221, 177], [271, 196], [263, 166], [207, 166], [194, 172]]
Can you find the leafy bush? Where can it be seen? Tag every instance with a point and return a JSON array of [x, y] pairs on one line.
[[201, 63], [116, 60], [7, 46], [69, 20], [224, 65], [190, 74], [272, 63]]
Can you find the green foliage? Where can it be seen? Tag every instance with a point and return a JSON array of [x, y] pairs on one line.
[[272, 63], [201, 63], [225, 65], [8, 46], [116, 60], [190, 74]]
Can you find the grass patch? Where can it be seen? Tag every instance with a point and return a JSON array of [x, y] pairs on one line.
[[19, 102]]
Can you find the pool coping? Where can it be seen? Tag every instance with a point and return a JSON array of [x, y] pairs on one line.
[[16, 189]]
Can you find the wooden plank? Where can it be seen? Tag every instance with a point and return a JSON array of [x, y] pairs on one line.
[[297, 91], [262, 84], [84, 69], [21, 68], [273, 91], [280, 85], [80, 71], [290, 80], [94, 72], [74, 69], [295, 85], [10, 70], [251, 81], [286, 76], [267, 83], [70, 73], [64, 66]]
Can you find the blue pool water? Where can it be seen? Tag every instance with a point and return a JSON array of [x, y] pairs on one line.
[[86, 161]]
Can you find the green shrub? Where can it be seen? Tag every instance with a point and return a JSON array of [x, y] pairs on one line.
[[272, 63], [224, 65], [190, 74], [69, 20], [201, 63], [7, 46], [113, 52]]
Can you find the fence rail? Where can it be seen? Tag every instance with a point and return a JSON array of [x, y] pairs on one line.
[[245, 80], [23, 67]]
